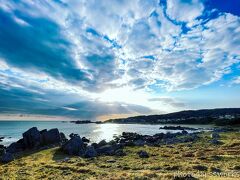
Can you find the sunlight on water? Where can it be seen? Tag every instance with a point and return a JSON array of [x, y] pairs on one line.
[[107, 131]]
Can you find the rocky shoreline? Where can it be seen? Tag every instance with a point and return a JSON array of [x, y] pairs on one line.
[[33, 139]]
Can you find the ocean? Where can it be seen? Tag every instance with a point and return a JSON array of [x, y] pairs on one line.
[[12, 130]]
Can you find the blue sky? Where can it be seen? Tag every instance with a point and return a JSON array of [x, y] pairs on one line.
[[100, 59]]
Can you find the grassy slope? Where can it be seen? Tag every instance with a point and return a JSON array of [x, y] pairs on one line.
[[163, 162]]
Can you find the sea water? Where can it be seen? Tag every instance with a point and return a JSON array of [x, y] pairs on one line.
[[12, 130]]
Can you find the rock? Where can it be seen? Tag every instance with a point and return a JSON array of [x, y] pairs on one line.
[[51, 137], [172, 168], [177, 128], [184, 132], [215, 142], [32, 138], [111, 161], [43, 131], [215, 135], [216, 158], [120, 152], [2, 149], [143, 154], [106, 150], [16, 147], [1, 139], [63, 137], [74, 146], [215, 170], [200, 168], [90, 152], [84, 139], [171, 141], [169, 135], [102, 143], [66, 159], [185, 177], [237, 168], [219, 130], [73, 135], [7, 157], [139, 142], [95, 145]]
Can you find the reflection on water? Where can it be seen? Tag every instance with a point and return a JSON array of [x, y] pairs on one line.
[[106, 131]]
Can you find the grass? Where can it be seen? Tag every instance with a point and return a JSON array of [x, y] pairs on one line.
[[200, 159]]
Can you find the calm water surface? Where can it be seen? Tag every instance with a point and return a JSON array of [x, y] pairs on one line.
[[12, 130]]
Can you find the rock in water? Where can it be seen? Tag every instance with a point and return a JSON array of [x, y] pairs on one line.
[[143, 154], [184, 132], [51, 137], [32, 138], [7, 157], [90, 152], [74, 146]]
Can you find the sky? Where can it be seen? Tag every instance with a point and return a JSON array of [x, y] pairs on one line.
[[101, 59]]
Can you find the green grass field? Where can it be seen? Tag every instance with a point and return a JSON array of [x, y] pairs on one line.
[[201, 159]]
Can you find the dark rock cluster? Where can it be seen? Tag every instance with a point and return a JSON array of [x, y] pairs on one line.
[[134, 139], [33, 139], [80, 147], [178, 128], [215, 138]]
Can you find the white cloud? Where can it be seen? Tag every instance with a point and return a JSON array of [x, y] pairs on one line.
[[182, 10], [236, 80], [131, 45]]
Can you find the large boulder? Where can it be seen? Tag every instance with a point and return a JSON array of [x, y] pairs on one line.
[[51, 137], [16, 146], [63, 137], [32, 138], [106, 150], [90, 152], [2, 149], [74, 146], [102, 143], [7, 157]]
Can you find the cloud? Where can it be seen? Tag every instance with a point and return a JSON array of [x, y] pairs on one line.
[[81, 49], [236, 80], [168, 101], [184, 10]]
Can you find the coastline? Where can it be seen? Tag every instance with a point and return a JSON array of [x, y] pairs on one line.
[[194, 158]]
